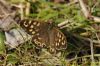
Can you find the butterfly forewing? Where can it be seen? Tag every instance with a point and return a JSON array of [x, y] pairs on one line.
[[43, 35]]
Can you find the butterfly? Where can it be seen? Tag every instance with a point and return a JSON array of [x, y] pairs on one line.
[[44, 34]]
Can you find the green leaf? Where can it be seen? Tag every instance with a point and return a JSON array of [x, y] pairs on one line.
[[2, 44], [12, 58], [17, 1]]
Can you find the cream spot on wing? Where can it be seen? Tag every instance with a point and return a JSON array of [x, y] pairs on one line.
[[30, 22], [59, 40], [37, 34], [31, 26], [43, 44], [39, 38], [39, 44], [38, 24], [52, 50], [35, 40], [30, 30], [60, 36], [34, 23], [32, 35], [56, 44], [63, 43], [25, 24], [33, 32]]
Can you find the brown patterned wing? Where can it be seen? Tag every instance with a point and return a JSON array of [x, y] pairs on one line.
[[44, 35], [38, 30], [57, 40]]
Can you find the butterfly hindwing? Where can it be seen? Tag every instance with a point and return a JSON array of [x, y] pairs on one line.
[[57, 39]]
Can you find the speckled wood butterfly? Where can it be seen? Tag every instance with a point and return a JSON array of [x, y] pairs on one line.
[[44, 34]]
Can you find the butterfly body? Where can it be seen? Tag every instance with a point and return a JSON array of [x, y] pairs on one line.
[[44, 35]]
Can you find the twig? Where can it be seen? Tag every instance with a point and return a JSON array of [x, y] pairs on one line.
[[27, 8], [87, 39], [21, 11], [75, 1], [63, 24], [86, 12], [5, 5], [92, 51], [96, 55], [84, 9], [21, 7]]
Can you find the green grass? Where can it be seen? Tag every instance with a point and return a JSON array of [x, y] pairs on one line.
[[78, 50]]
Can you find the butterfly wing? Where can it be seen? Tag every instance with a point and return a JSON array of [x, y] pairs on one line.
[[38, 30], [57, 40], [44, 36]]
